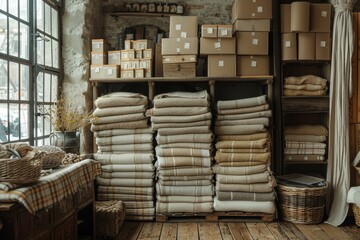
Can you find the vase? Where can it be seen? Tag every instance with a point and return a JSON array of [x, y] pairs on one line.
[[67, 141]]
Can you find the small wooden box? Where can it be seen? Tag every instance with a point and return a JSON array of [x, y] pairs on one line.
[[128, 54], [127, 73], [179, 70], [111, 71], [128, 44], [148, 73], [98, 45], [114, 57], [140, 44], [98, 58], [138, 54], [147, 53], [145, 63], [139, 73]]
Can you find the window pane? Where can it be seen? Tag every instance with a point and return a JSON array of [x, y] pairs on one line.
[[47, 19], [3, 5], [40, 14], [3, 122], [54, 21], [40, 52], [40, 127], [39, 86], [47, 126], [48, 53], [24, 7], [54, 88], [14, 7], [3, 79], [24, 82], [14, 122], [24, 41], [24, 121], [55, 53], [3, 33], [47, 87], [14, 90], [13, 37]]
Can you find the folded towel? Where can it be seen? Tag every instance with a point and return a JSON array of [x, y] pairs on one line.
[[260, 158], [254, 187], [244, 150], [206, 146], [123, 197], [140, 212], [184, 199], [180, 102], [181, 152], [304, 157], [289, 92], [305, 151], [306, 79], [195, 171], [245, 129], [118, 118], [186, 183], [181, 119], [116, 111], [263, 121], [138, 204], [119, 131], [183, 207], [251, 178], [241, 170], [177, 111], [126, 125], [185, 190], [244, 137], [258, 108], [245, 206], [245, 196], [125, 158], [128, 168], [317, 130], [307, 145], [172, 162], [125, 139], [121, 99], [242, 103], [133, 191], [185, 178], [191, 95], [184, 130], [156, 126], [261, 143], [128, 174], [239, 164], [121, 182], [307, 87], [305, 138], [186, 138], [126, 147], [242, 116]]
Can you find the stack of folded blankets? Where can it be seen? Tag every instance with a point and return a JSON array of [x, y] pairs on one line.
[[125, 151], [184, 143], [305, 143], [244, 182], [308, 85]]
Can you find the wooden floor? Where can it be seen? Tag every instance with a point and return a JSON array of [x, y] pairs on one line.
[[235, 231]]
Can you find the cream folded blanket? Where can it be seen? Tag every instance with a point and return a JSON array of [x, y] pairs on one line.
[[180, 102], [289, 92], [186, 138], [125, 158], [185, 178], [156, 126], [128, 168], [251, 178], [195, 171], [172, 162], [245, 196], [134, 191], [177, 111], [184, 199], [123, 197], [242, 103], [307, 87], [184, 130], [186, 183], [254, 115], [181, 152], [206, 146], [239, 164], [118, 118], [191, 95], [306, 79], [138, 204], [263, 121], [119, 131], [128, 174], [244, 150], [126, 147], [261, 143], [254, 187], [305, 138], [140, 212], [121, 182], [244, 129], [185, 190], [125, 139], [117, 99], [244, 137], [241, 170], [116, 111], [304, 151], [304, 157], [126, 125], [260, 158], [181, 119], [258, 108], [183, 207], [307, 145], [245, 206], [317, 130]]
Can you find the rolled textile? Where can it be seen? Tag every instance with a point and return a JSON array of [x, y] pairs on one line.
[[304, 151], [116, 111], [185, 190], [263, 121], [186, 138], [119, 131], [125, 182], [140, 211], [243, 150], [138, 204], [246, 129], [195, 171], [207, 146], [289, 92], [181, 119], [174, 207], [242, 103], [184, 199], [124, 197], [128, 168], [317, 130], [125, 139], [125, 158], [126, 125], [241, 170], [184, 130], [244, 137], [254, 187], [177, 94], [185, 178], [245, 196], [133, 191], [118, 118], [156, 126], [180, 102], [128, 174], [305, 138], [304, 157], [307, 145], [181, 152], [243, 157], [251, 178], [245, 206], [172, 162], [306, 79], [121, 99], [307, 87], [261, 143], [186, 183], [126, 147], [177, 111], [243, 116], [258, 108]]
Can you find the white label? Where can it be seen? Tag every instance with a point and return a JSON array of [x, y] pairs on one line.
[[324, 13], [192, 59], [221, 63], [210, 31], [253, 14], [97, 45], [97, 70], [255, 41], [114, 56], [217, 45], [178, 27], [178, 50], [224, 32], [126, 65], [253, 34], [178, 39], [287, 44], [186, 45], [259, 9], [323, 44], [183, 34], [110, 71], [142, 46], [253, 63]]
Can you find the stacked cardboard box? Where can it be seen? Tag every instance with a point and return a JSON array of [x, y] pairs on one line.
[[251, 25], [99, 61], [305, 31], [181, 48], [218, 44]]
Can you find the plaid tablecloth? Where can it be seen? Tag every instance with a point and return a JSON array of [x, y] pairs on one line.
[[53, 187]]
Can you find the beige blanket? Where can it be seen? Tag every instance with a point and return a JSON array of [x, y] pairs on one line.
[[118, 119], [186, 183], [184, 130], [177, 111], [241, 170], [306, 79], [307, 145], [156, 126], [184, 199], [245, 129], [180, 102], [251, 178], [186, 138], [181, 119], [128, 174], [304, 157], [289, 92], [134, 191], [258, 108], [125, 139], [138, 204], [240, 164], [195, 171], [183, 207], [191, 95], [245, 206], [185, 190], [245, 196], [317, 130], [304, 151], [116, 111], [125, 158], [253, 115], [172, 162], [244, 150], [308, 87], [119, 131], [254, 187], [206, 146], [140, 212], [182, 152], [121, 182], [126, 125], [259, 158], [185, 178], [263, 121], [122, 197], [305, 138], [121, 99], [126, 147], [128, 168], [262, 143], [244, 137], [242, 103]]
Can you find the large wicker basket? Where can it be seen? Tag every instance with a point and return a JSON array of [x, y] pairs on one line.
[[302, 204], [356, 211], [52, 157]]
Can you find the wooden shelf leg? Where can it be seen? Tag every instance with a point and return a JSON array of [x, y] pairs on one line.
[[151, 90], [212, 91]]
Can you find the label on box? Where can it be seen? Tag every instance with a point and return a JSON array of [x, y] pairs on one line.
[[287, 44], [183, 34], [178, 39], [253, 63], [186, 45], [252, 33], [97, 70], [221, 63], [97, 45], [110, 71], [255, 41], [178, 50], [324, 13], [259, 9], [192, 59], [178, 27], [322, 44], [217, 45], [253, 14], [224, 32], [210, 31], [114, 56]]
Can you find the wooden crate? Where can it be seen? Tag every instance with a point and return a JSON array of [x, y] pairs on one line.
[[216, 217], [179, 70]]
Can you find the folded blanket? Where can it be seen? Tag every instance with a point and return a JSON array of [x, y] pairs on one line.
[[185, 178], [185, 190], [126, 147], [251, 178], [181, 119], [263, 121], [180, 102], [241, 170], [118, 118], [138, 204], [128, 168], [307, 145], [243, 116], [123, 197], [317, 130], [305, 151], [140, 212], [304, 157], [184, 130], [244, 137], [126, 125], [184, 199], [121, 182], [116, 111], [306, 79], [254, 187], [239, 164], [181, 152], [177, 111], [121, 99], [242, 157], [125, 139], [244, 150], [242, 103], [117, 132], [245, 196], [245, 129], [183, 207], [186, 183], [289, 92], [191, 95], [156, 126], [245, 206], [186, 138], [257, 108], [125, 158], [305, 138], [307, 87], [133, 191], [128, 174], [172, 162], [194, 171], [206, 146], [261, 143]]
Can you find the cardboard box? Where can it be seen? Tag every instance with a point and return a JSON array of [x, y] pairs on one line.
[[285, 21], [224, 31], [139, 73], [111, 71], [148, 73], [127, 54], [222, 66], [252, 43], [147, 53], [323, 46], [114, 57], [217, 46], [183, 27], [289, 46], [179, 59], [127, 73], [140, 44], [247, 9], [306, 46], [98, 45], [300, 16], [320, 17], [173, 46], [209, 31], [130, 64], [128, 44], [96, 71], [145, 63], [251, 25], [138, 54], [158, 61], [98, 58], [253, 65], [179, 70]]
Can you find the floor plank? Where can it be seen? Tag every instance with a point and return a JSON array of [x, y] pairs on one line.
[[352, 231], [225, 231], [188, 231], [313, 232], [292, 231], [209, 231], [169, 231], [150, 231], [335, 232], [239, 231], [277, 231], [259, 231], [131, 230]]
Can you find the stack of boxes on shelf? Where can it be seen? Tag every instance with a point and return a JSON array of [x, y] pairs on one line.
[[305, 31], [125, 151], [251, 24], [243, 155], [181, 48], [99, 61]]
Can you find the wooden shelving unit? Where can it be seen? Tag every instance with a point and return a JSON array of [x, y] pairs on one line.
[[143, 14]]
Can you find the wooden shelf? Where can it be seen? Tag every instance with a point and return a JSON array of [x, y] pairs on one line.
[[303, 104], [143, 14], [306, 62], [305, 162]]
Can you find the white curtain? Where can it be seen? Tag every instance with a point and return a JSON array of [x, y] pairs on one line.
[[338, 173]]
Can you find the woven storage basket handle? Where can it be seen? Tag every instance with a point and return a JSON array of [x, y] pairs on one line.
[[14, 153]]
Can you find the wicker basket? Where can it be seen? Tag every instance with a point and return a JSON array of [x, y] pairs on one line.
[[53, 156], [356, 211], [110, 217], [301, 204]]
